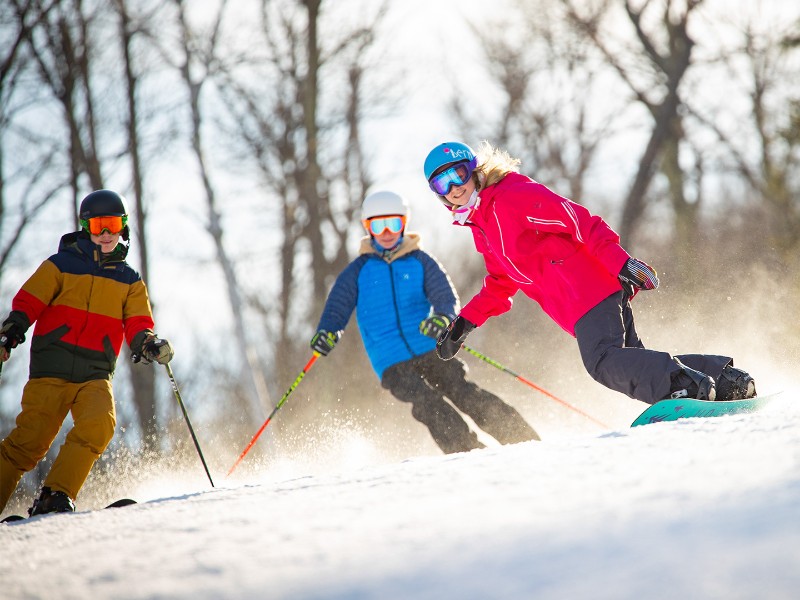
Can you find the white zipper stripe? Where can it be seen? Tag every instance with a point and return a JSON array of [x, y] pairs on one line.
[[546, 221], [574, 218], [526, 279]]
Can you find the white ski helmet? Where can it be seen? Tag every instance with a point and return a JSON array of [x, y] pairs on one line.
[[383, 203]]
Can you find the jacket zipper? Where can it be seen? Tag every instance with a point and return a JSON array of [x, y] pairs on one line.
[[397, 310]]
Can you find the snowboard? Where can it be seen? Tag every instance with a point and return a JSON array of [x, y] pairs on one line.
[[116, 504], [685, 408]]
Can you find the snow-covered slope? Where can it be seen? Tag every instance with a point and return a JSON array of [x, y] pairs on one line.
[[706, 508]]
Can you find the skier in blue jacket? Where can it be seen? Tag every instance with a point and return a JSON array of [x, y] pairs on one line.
[[403, 301]]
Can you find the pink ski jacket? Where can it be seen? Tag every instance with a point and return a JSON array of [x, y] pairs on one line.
[[550, 248]]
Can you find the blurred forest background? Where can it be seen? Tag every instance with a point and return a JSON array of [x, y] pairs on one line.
[[245, 134]]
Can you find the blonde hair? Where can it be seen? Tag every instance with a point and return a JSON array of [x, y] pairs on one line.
[[494, 164]]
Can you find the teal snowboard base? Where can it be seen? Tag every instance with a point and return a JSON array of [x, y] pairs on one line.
[[684, 408]]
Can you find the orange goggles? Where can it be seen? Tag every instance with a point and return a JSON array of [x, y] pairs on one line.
[[377, 225], [96, 225]]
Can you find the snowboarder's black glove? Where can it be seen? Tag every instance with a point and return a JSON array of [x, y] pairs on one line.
[[157, 350], [450, 341], [637, 275], [324, 341], [434, 325]]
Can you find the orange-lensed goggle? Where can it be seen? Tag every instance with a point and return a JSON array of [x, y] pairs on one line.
[[112, 224], [377, 225]]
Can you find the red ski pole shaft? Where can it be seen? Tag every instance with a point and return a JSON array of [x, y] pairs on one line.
[[496, 364], [261, 429]]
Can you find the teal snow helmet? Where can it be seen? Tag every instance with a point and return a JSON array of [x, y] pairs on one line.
[[447, 153]]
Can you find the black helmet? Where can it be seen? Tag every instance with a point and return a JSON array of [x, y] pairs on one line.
[[104, 203]]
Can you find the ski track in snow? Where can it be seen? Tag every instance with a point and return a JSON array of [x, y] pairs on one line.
[[700, 508]]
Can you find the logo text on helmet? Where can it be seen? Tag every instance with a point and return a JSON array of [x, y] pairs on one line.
[[458, 153]]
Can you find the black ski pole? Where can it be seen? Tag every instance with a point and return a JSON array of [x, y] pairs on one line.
[[188, 422]]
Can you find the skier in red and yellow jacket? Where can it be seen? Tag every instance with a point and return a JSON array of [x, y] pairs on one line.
[[85, 300]]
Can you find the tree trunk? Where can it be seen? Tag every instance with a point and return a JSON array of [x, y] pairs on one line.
[[142, 378]]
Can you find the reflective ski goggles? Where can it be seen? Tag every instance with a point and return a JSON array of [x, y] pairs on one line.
[[377, 225], [96, 225], [458, 174]]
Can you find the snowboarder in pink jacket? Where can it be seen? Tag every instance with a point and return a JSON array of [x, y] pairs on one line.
[[571, 263]]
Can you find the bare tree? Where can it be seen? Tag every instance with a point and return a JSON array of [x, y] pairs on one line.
[[308, 150], [30, 172], [763, 147], [198, 65], [653, 71], [547, 76], [61, 50], [142, 380]]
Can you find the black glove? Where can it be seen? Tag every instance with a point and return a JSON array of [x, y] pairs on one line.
[[324, 341], [12, 334], [450, 341], [637, 275], [434, 325], [157, 350]]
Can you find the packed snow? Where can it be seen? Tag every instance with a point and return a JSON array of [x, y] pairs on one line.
[[698, 508]]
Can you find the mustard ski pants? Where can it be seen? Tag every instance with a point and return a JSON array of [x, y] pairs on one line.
[[45, 404]]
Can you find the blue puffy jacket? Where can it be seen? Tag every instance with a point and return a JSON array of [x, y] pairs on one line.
[[392, 295]]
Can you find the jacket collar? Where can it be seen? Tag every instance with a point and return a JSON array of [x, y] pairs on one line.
[[411, 242], [487, 198], [79, 242]]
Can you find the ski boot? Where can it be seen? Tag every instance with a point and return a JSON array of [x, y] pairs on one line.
[[688, 383], [735, 384], [51, 502]]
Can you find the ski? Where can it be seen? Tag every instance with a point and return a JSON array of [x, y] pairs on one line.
[[121, 502], [116, 504], [685, 408], [12, 518]]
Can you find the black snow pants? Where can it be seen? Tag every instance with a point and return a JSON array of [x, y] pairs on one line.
[[614, 355], [425, 380]]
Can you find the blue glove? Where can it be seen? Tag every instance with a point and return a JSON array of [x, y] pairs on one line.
[[324, 341], [637, 275], [434, 325], [450, 341]]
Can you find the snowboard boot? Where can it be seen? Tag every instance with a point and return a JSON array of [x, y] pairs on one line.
[[688, 383], [50, 502], [735, 384]]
